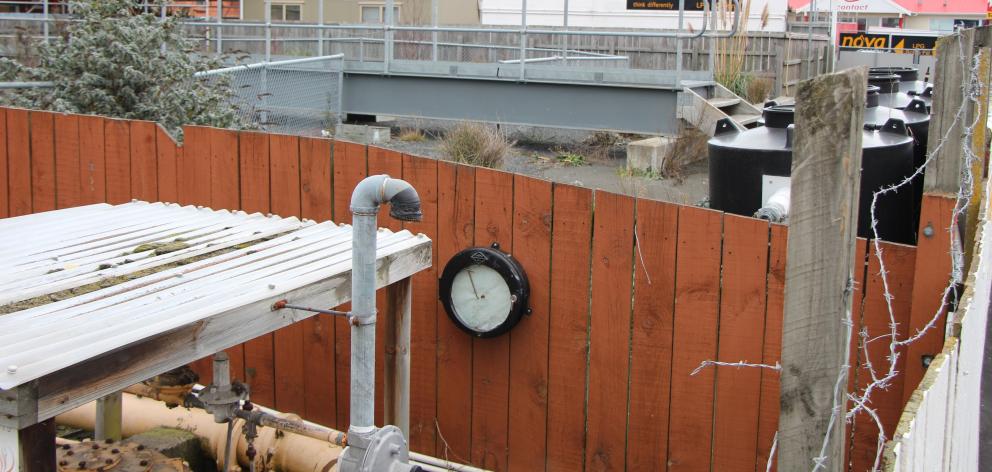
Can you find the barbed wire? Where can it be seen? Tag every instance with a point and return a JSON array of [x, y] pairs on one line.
[[971, 92]]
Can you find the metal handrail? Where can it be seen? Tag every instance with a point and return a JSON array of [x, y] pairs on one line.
[[259, 65]]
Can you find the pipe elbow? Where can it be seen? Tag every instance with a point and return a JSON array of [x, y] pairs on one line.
[[404, 202]]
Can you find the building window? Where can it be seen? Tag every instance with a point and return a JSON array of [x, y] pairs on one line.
[[376, 13], [285, 12], [890, 22]]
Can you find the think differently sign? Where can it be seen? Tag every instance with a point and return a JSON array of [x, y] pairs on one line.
[[667, 5]]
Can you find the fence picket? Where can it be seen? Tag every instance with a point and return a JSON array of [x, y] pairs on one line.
[[43, 190], [612, 277], [491, 356], [425, 388], [651, 349], [19, 161], [697, 307]]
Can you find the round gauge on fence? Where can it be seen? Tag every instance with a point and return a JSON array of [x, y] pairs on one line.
[[484, 291]]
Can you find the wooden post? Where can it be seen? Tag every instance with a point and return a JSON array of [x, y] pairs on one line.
[[779, 69], [942, 181], [826, 167], [982, 48], [397, 375], [944, 172], [108, 417], [38, 447]]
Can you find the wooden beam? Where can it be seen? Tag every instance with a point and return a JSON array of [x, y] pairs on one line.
[[86, 381], [397, 375], [826, 166]]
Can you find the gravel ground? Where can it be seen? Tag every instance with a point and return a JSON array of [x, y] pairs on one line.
[[535, 154]]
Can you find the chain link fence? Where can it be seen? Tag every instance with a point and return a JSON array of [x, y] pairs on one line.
[[297, 96]]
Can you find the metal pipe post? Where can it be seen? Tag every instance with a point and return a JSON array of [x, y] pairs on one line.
[[523, 39], [363, 328], [434, 33], [388, 29], [340, 90]]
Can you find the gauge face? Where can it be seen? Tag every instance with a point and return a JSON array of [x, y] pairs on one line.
[[481, 298], [484, 291]]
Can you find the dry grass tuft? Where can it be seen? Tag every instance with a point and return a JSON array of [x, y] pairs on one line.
[[759, 89], [412, 135], [690, 147], [476, 144]]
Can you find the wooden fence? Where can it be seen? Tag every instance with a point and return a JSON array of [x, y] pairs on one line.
[[629, 296]]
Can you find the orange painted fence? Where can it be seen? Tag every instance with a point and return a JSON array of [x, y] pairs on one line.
[[629, 296]]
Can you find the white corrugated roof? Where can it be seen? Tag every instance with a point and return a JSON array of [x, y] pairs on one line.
[[49, 252]]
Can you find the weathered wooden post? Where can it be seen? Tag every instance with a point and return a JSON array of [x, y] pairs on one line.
[[826, 168], [952, 114]]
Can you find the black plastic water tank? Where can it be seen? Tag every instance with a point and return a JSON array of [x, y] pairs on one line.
[[915, 117], [909, 78], [892, 95], [739, 163]]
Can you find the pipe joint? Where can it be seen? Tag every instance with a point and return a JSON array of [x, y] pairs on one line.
[[362, 320], [373, 191]]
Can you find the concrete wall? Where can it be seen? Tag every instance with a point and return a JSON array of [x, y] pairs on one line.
[[451, 12], [614, 14]]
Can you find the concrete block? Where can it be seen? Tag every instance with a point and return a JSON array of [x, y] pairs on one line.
[[362, 134], [648, 154], [177, 443]]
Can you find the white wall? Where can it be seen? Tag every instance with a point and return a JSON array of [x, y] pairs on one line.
[[614, 14]]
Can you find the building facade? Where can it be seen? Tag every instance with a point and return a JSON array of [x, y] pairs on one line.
[[763, 15], [938, 16], [417, 12]]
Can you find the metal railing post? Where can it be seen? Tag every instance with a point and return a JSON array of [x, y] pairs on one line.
[[564, 22], [320, 32], [678, 45], [264, 115], [340, 90], [523, 39], [388, 29], [44, 7], [434, 33], [163, 13], [220, 26]]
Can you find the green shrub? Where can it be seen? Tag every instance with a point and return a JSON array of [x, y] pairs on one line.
[[117, 61]]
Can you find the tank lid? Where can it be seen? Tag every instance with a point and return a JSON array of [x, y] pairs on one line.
[[905, 74], [779, 116], [871, 99], [887, 83]]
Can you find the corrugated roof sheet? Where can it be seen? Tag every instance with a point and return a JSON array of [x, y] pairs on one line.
[[50, 252]]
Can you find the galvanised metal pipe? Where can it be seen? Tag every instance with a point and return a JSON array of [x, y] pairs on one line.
[[365, 200]]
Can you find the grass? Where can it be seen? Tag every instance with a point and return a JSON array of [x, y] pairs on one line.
[[412, 135], [476, 144], [731, 53]]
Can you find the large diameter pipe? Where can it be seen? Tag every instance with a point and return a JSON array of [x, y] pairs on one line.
[[281, 451], [365, 200]]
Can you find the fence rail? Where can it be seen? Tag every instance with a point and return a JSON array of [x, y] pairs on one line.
[[598, 385]]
